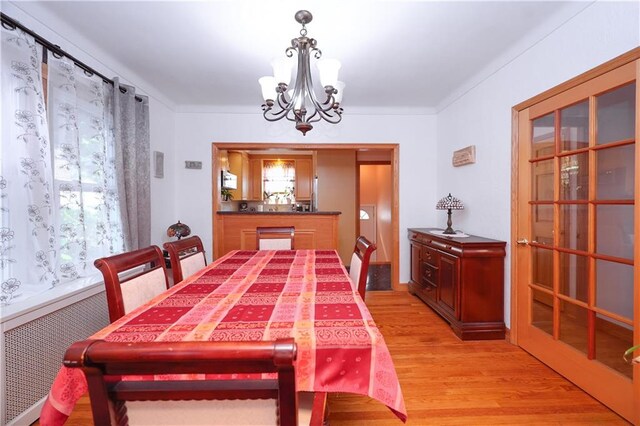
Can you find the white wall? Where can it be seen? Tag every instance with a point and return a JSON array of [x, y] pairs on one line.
[[162, 118], [482, 117], [416, 135]]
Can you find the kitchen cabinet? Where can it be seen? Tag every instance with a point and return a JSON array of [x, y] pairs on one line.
[[245, 176], [304, 179], [462, 279], [255, 179], [237, 230], [238, 165]]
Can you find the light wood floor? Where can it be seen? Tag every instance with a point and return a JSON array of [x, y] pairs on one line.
[[446, 381]]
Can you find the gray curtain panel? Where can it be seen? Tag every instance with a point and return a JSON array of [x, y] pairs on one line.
[[131, 132]]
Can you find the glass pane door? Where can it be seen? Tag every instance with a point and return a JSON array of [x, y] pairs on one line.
[[576, 283]]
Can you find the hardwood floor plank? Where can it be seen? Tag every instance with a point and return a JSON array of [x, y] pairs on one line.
[[449, 382]]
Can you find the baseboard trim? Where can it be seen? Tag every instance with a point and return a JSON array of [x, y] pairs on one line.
[[29, 415]]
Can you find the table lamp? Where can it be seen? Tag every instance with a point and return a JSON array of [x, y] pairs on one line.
[[178, 230], [449, 203]]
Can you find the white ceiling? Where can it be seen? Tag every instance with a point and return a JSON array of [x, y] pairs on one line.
[[408, 55]]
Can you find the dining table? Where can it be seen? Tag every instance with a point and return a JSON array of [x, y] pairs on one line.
[[262, 295]]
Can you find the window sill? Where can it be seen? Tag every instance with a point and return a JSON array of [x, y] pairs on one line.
[[52, 299]]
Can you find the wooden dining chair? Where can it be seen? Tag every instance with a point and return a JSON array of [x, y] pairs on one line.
[[359, 268], [187, 257], [204, 400], [275, 238], [147, 279]]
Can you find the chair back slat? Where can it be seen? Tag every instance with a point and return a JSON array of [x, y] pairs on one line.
[[275, 238], [359, 268], [186, 256], [101, 361], [152, 274]]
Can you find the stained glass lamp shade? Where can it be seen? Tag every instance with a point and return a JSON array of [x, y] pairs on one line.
[[178, 230], [449, 203]]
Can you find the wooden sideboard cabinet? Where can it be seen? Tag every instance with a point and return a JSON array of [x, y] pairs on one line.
[[462, 279]]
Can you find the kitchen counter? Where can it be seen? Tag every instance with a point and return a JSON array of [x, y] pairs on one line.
[[236, 230], [323, 213]]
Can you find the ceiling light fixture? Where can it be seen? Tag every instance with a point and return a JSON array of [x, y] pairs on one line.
[[301, 104]]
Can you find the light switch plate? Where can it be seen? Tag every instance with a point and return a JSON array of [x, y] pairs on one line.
[[193, 164]]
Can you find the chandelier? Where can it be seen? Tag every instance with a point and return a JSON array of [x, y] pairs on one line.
[[301, 103]]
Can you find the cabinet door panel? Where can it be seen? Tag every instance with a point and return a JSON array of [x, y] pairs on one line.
[[303, 179], [416, 273], [255, 181], [448, 283]]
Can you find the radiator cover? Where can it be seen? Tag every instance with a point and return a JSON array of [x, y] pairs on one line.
[[34, 351]]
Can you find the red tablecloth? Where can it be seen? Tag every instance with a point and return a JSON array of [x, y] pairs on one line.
[[263, 295]]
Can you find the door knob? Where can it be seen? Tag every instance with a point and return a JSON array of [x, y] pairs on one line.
[[522, 241]]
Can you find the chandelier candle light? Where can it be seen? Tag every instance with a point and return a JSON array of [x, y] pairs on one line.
[[449, 203], [301, 104]]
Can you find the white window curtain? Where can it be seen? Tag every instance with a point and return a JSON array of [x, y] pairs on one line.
[[87, 212], [59, 197], [28, 233], [279, 179]]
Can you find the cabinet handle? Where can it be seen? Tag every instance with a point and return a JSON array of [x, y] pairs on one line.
[[522, 241]]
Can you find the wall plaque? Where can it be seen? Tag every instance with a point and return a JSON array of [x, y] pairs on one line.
[[464, 156]]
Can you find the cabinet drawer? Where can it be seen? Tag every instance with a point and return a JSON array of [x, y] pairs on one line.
[[429, 274], [430, 256]]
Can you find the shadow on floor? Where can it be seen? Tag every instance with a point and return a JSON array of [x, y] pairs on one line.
[[379, 277]]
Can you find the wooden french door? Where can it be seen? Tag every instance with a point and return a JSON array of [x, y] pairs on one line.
[[576, 260]]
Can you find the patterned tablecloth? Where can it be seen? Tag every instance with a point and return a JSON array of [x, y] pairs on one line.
[[263, 295]]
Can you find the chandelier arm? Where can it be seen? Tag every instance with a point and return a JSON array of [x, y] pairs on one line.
[[311, 118], [323, 113], [333, 119], [282, 102], [275, 116], [294, 118]]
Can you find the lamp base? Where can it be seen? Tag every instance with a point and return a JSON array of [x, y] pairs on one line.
[[449, 230]]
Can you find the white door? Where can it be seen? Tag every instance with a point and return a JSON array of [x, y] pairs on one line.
[[368, 224]]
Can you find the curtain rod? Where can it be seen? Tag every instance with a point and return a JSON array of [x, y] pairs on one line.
[[12, 24]]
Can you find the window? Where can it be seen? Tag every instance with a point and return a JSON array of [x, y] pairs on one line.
[[279, 178], [58, 191]]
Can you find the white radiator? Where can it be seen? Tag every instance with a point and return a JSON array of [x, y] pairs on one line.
[[33, 346]]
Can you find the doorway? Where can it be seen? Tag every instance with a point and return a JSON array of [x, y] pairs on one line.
[[392, 156], [374, 198], [576, 292], [368, 219]]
